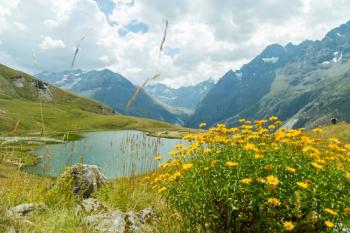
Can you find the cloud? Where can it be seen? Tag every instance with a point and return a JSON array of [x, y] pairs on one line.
[[205, 38], [49, 43]]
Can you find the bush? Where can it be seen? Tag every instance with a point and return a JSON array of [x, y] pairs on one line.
[[255, 178]]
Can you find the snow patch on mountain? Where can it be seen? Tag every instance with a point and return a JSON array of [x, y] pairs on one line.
[[270, 59]]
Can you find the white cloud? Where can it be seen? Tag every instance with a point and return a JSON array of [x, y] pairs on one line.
[[210, 36], [104, 59], [49, 43], [51, 23]]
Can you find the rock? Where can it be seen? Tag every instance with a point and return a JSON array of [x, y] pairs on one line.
[[108, 223], [120, 222], [147, 215], [92, 204], [25, 209], [85, 179], [133, 223]]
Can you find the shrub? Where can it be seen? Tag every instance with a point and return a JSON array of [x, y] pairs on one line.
[[255, 178]]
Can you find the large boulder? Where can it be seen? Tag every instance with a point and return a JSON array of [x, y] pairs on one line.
[[84, 179]]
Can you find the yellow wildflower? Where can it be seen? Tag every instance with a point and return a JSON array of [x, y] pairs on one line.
[[261, 180], [274, 201], [213, 162], [303, 184], [347, 175], [203, 124], [172, 152], [317, 130], [273, 118], [290, 170], [250, 146], [259, 156], [159, 157], [207, 151], [271, 127], [334, 140], [179, 146], [247, 180], [328, 224], [288, 225], [347, 146], [187, 166], [347, 211], [231, 164], [272, 180], [242, 120], [161, 190], [330, 211], [316, 165]]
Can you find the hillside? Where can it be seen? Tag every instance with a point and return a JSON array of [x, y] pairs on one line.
[[111, 89], [21, 110], [302, 84]]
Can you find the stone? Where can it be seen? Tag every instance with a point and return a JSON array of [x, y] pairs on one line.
[[147, 215], [108, 223], [85, 179], [120, 222], [92, 205], [133, 223], [25, 209]]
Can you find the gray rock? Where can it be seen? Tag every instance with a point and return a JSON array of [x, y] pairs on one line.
[[133, 223], [85, 179], [120, 222], [92, 204], [108, 223], [147, 215], [25, 209]]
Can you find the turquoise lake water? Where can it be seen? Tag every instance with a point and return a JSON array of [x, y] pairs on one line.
[[117, 153]]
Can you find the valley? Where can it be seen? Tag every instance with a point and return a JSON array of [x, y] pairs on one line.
[[237, 130]]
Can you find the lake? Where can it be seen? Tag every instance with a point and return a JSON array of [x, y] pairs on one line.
[[117, 153]]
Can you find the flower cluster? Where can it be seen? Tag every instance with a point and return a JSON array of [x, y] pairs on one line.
[[258, 175]]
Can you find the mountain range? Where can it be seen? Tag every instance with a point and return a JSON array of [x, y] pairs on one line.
[[186, 98], [111, 89], [304, 85]]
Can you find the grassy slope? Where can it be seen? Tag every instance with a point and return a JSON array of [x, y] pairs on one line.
[[20, 113], [66, 112], [126, 194]]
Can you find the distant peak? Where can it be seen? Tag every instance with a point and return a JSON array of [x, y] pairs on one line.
[[273, 50]]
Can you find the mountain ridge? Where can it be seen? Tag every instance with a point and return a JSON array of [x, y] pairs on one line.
[[112, 89], [288, 81]]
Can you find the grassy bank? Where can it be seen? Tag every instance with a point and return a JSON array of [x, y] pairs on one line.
[[130, 193]]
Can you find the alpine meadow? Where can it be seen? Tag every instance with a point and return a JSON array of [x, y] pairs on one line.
[[121, 116]]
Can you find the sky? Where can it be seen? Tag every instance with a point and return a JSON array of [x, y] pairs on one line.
[[205, 38]]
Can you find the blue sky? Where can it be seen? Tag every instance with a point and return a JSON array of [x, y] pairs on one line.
[[204, 40]]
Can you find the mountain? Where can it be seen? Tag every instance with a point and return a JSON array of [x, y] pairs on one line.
[[186, 98], [304, 85], [110, 88], [29, 105]]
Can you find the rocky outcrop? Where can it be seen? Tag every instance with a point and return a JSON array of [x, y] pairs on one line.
[[121, 222], [85, 179]]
